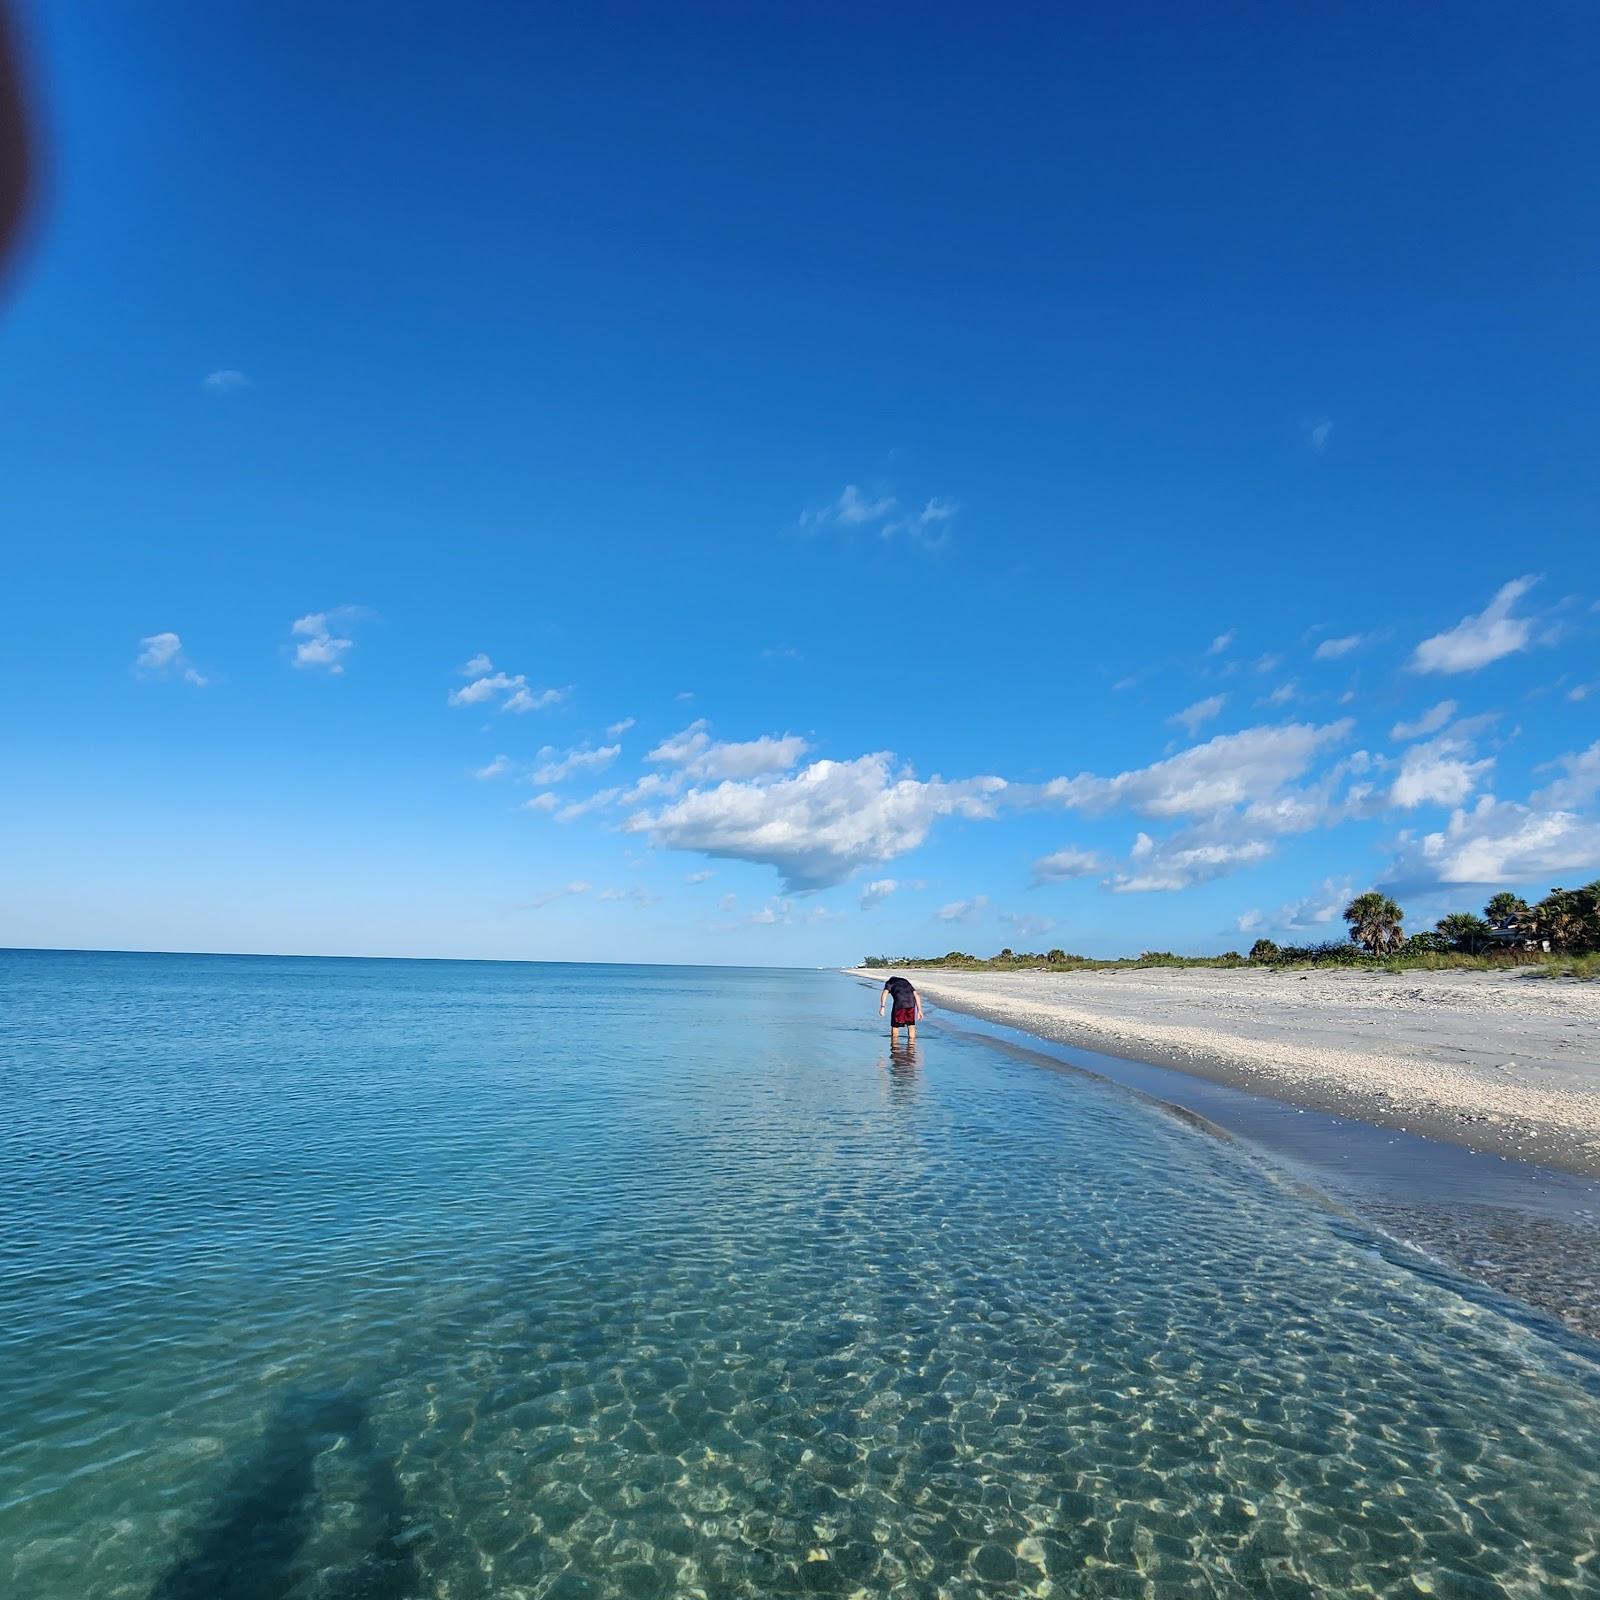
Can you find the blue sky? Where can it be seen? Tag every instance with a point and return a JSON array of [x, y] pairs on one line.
[[752, 485]]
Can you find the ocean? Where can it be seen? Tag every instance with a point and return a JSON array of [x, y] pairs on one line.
[[334, 1278]]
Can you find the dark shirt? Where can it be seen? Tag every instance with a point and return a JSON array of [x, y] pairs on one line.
[[901, 992]]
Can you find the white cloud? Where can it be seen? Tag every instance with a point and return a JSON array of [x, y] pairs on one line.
[[1440, 772], [822, 823], [878, 891], [855, 509], [1318, 433], [1230, 769], [319, 645], [161, 655], [702, 876], [727, 902], [526, 699], [1222, 642], [1314, 911], [1183, 861], [1501, 842], [557, 766], [225, 380], [1193, 718], [1282, 695], [581, 808], [511, 689], [1475, 641], [543, 802], [576, 887], [1333, 649], [851, 510], [1025, 925], [1267, 663], [654, 786], [495, 769], [963, 910], [701, 756], [1580, 691], [1429, 722], [927, 524], [1581, 784], [617, 729], [1068, 863]]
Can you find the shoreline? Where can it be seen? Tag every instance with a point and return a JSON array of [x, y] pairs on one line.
[[1508, 1066], [1482, 1198]]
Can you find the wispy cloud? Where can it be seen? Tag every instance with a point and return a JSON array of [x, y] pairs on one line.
[[1181, 862], [704, 875], [852, 509], [855, 508], [556, 766], [1477, 640], [1223, 641], [512, 690], [1579, 786], [963, 910], [497, 768], [1336, 649], [567, 890], [1319, 910], [1026, 925], [1282, 695], [225, 380], [1060, 865], [1193, 718], [161, 655], [321, 640], [701, 756], [928, 525], [617, 729], [1429, 722], [597, 801], [1318, 432]]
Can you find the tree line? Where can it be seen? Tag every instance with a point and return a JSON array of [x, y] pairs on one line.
[[1565, 922]]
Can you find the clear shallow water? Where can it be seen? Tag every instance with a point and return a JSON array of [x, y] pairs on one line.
[[336, 1279]]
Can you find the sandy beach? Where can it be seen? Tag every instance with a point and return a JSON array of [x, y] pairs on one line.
[[1506, 1063]]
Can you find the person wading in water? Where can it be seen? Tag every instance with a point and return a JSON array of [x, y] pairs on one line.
[[907, 1012]]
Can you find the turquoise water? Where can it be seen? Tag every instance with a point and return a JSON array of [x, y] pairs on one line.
[[387, 1279]]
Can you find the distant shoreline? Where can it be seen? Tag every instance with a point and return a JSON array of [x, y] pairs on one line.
[[1500, 1063]]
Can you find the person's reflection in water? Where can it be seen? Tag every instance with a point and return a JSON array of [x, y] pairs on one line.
[[901, 1067]]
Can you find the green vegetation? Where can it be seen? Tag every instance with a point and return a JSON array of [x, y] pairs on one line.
[[1559, 936]]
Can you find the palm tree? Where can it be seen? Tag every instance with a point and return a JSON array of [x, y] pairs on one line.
[[1507, 911], [1465, 931], [1375, 922]]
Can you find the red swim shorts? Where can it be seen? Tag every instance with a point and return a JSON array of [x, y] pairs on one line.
[[903, 1017]]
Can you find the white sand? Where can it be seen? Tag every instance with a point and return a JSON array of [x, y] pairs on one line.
[[1506, 1062]]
